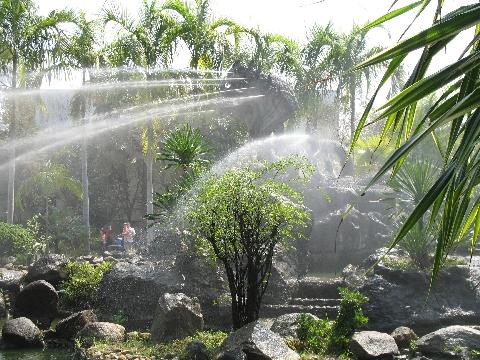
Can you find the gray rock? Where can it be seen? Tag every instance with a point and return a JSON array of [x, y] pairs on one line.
[[450, 340], [10, 280], [401, 298], [21, 332], [403, 336], [373, 345], [134, 289], [176, 317], [197, 350], [287, 325], [256, 341], [101, 331], [50, 268], [69, 327], [37, 301]]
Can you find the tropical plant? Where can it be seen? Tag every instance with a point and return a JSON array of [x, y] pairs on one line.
[[453, 200], [28, 43], [239, 218], [208, 45], [184, 147]]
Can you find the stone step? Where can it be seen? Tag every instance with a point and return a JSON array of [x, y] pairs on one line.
[[323, 312], [318, 302], [317, 288]]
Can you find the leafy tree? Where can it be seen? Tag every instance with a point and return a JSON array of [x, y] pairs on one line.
[[44, 186], [239, 218], [453, 199], [28, 42]]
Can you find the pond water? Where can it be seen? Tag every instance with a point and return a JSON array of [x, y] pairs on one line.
[[35, 355]]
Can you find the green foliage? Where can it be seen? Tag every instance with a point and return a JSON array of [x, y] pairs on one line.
[[332, 337], [120, 318], [83, 282], [239, 217], [453, 200], [22, 242], [370, 152], [184, 147]]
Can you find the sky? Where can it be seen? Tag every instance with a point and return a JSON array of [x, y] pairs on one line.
[[294, 18]]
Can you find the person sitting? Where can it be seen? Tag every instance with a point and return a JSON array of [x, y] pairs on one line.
[[128, 237], [103, 239]]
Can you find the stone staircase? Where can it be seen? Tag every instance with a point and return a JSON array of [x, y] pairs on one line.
[[317, 296]]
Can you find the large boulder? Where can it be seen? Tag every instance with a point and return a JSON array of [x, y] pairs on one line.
[[69, 327], [402, 298], [403, 336], [176, 317], [287, 325], [21, 332], [134, 288], [50, 268], [256, 341], [38, 301], [367, 345], [101, 331], [449, 341]]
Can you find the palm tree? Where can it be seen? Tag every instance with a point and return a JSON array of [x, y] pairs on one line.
[[453, 200], [84, 56], [208, 46], [29, 42], [147, 41]]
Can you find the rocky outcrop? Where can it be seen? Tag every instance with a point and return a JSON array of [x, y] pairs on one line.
[[402, 298], [20, 333], [287, 325], [3, 306], [197, 350], [38, 301], [176, 316], [49, 268], [367, 345], [101, 331], [451, 340], [134, 288], [403, 336], [255, 341], [69, 327]]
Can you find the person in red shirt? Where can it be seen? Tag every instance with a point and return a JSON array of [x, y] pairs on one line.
[[103, 239], [109, 233]]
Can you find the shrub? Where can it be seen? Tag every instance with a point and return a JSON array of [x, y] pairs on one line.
[[324, 336], [82, 283], [22, 242]]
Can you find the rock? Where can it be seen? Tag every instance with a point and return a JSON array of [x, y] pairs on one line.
[[176, 317], [287, 325], [101, 331], [37, 301], [256, 341], [373, 345], [134, 289], [401, 298], [50, 268], [449, 340], [69, 327], [197, 350], [21, 332], [403, 336], [10, 280]]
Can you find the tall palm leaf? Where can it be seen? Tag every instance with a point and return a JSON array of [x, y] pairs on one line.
[[454, 197]]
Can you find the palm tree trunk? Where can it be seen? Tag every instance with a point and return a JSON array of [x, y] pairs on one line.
[[84, 160], [11, 169]]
